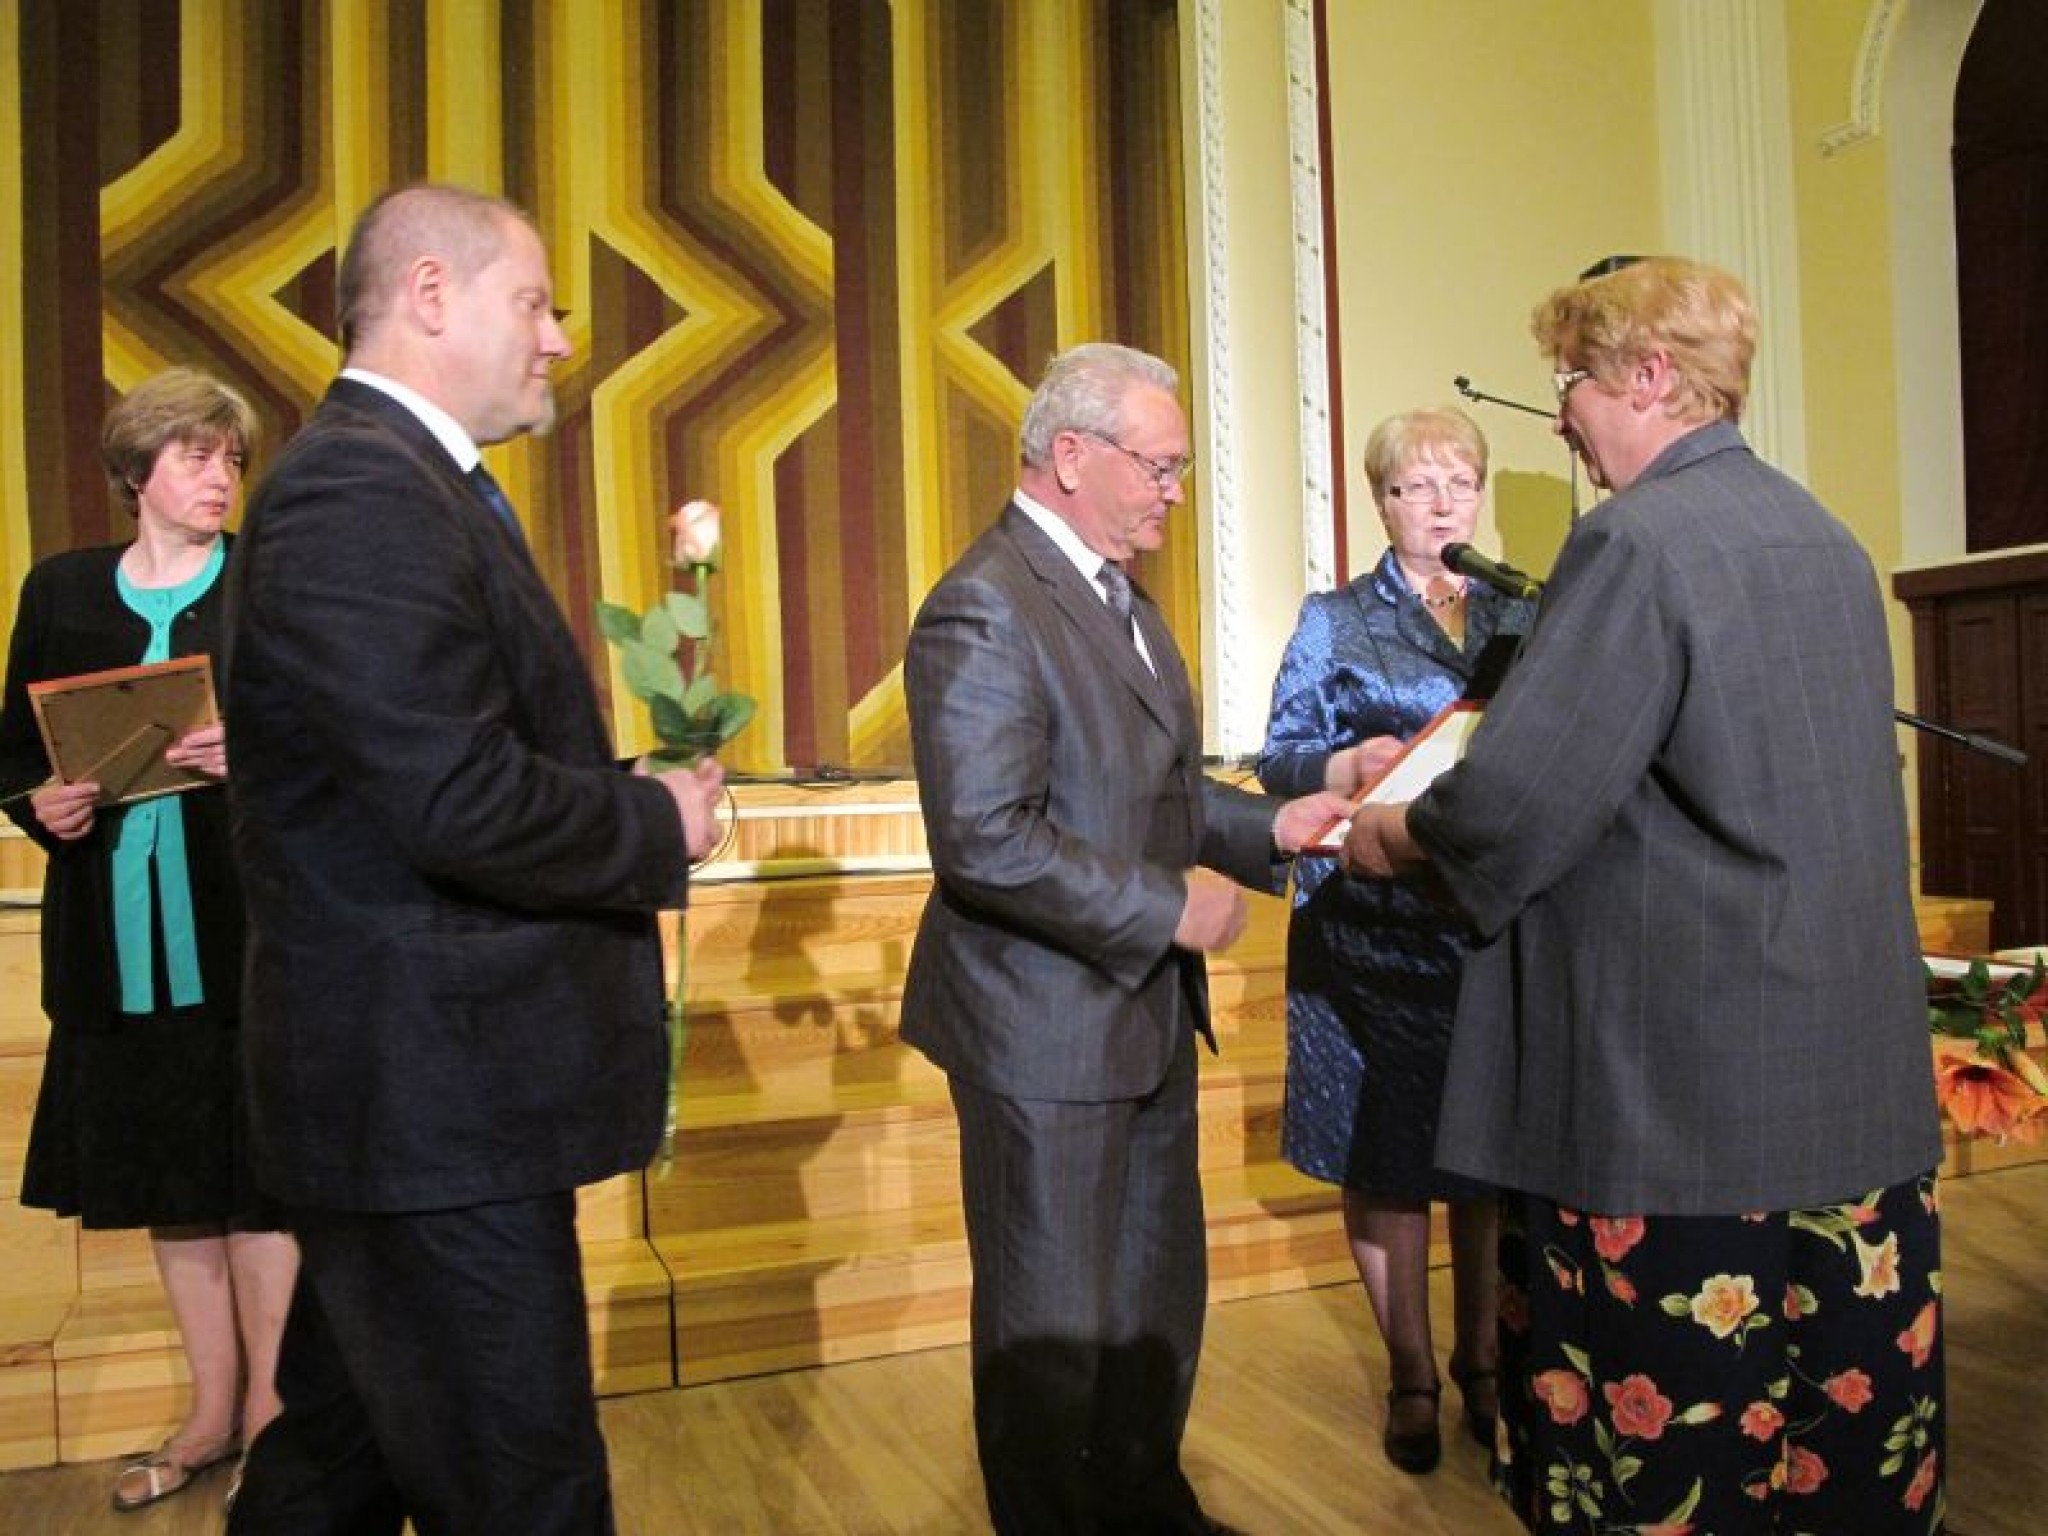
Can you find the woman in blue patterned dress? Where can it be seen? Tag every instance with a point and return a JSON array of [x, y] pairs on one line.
[[1372, 967]]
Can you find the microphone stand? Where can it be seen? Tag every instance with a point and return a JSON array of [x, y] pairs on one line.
[[1463, 385], [1985, 744]]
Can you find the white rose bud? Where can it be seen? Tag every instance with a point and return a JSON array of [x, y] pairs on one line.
[[694, 527]]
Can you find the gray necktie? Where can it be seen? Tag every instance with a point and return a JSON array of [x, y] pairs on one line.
[[1117, 586], [495, 498]]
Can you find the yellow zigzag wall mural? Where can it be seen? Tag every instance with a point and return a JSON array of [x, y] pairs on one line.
[[814, 254]]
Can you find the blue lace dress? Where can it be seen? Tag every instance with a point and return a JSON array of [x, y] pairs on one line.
[[1372, 966]]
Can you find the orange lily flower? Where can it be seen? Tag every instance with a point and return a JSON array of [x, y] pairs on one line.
[[1985, 1099]]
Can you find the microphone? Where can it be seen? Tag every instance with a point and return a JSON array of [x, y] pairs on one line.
[[1464, 387], [1468, 562]]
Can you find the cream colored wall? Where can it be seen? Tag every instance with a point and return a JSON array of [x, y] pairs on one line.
[[1917, 103], [1845, 286], [1852, 402], [1484, 153], [1876, 225]]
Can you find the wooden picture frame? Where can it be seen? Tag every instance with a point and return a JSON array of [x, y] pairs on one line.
[[112, 727]]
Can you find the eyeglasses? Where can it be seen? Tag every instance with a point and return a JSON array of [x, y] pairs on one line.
[[1161, 472], [1460, 489], [1565, 380]]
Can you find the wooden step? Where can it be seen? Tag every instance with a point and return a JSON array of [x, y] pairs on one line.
[[1273, 1229], [810, 1212], [781, 939], [21, 864], [24, 1037], [746, 1159], [121, 1377], [802, 1291], [801, 1050], [806, 1053], [38, 1256], [632, 1328], [816, 1290], [28, 1379]]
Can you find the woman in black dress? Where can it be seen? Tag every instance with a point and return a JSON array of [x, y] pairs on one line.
[[138, 1122]]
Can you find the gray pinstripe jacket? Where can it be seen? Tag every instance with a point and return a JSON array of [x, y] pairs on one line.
[[1681, 835]]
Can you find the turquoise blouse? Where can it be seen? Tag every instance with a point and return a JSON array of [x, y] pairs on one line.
[[152, 837]]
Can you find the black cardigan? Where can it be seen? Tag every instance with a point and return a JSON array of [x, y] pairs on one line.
[[71, 619]]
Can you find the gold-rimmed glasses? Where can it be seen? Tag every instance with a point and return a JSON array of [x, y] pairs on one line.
[[1565, 380]]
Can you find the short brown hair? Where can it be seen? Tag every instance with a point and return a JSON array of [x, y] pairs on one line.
[[404, 224], [1399, 440], [179, 405], [1698, 316]]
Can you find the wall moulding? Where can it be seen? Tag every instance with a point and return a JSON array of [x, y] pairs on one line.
[[1866, 86]]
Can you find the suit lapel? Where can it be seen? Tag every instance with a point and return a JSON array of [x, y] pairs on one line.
[[1171, 679], [1081, 601]]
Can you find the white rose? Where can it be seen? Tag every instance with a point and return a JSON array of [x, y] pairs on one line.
[[694, 527]]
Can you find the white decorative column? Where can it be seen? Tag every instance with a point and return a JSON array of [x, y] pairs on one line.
[[1261, 352], [1727, 135], [1311, 291], [1231, 705]]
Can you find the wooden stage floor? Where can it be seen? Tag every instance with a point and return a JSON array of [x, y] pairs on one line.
[[1284, 1438]]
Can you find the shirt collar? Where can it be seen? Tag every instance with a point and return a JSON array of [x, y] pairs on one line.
[[1061, 532], [448, 432]]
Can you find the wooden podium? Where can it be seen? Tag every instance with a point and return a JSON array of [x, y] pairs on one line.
[[1980, 664]]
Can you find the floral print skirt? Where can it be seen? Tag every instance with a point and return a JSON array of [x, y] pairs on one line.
[[1667, 1375]]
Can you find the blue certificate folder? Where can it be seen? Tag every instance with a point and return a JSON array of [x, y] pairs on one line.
[[113, 727]]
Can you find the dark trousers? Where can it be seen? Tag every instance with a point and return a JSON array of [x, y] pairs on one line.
[[435, 1366], [1084, 1223]]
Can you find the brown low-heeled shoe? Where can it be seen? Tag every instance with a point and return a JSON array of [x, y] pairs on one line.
[[1418, 1450]]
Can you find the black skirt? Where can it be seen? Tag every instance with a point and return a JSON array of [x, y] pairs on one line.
[[142, 1125]]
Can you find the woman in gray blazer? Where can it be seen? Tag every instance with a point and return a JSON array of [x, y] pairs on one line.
[[1692, 1037]]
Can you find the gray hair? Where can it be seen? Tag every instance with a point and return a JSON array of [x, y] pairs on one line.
[[1083, 390]]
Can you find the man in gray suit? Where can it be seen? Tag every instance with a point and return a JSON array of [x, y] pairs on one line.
[[1057, 976], [1693, 1039]]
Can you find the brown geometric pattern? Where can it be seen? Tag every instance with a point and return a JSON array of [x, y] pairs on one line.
[[814, 254]]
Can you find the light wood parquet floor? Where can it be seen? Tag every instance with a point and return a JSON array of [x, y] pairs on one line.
[[1283, 1442]]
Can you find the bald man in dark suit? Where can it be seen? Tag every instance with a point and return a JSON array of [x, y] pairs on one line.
[[453, 1009], [1058, 976]]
